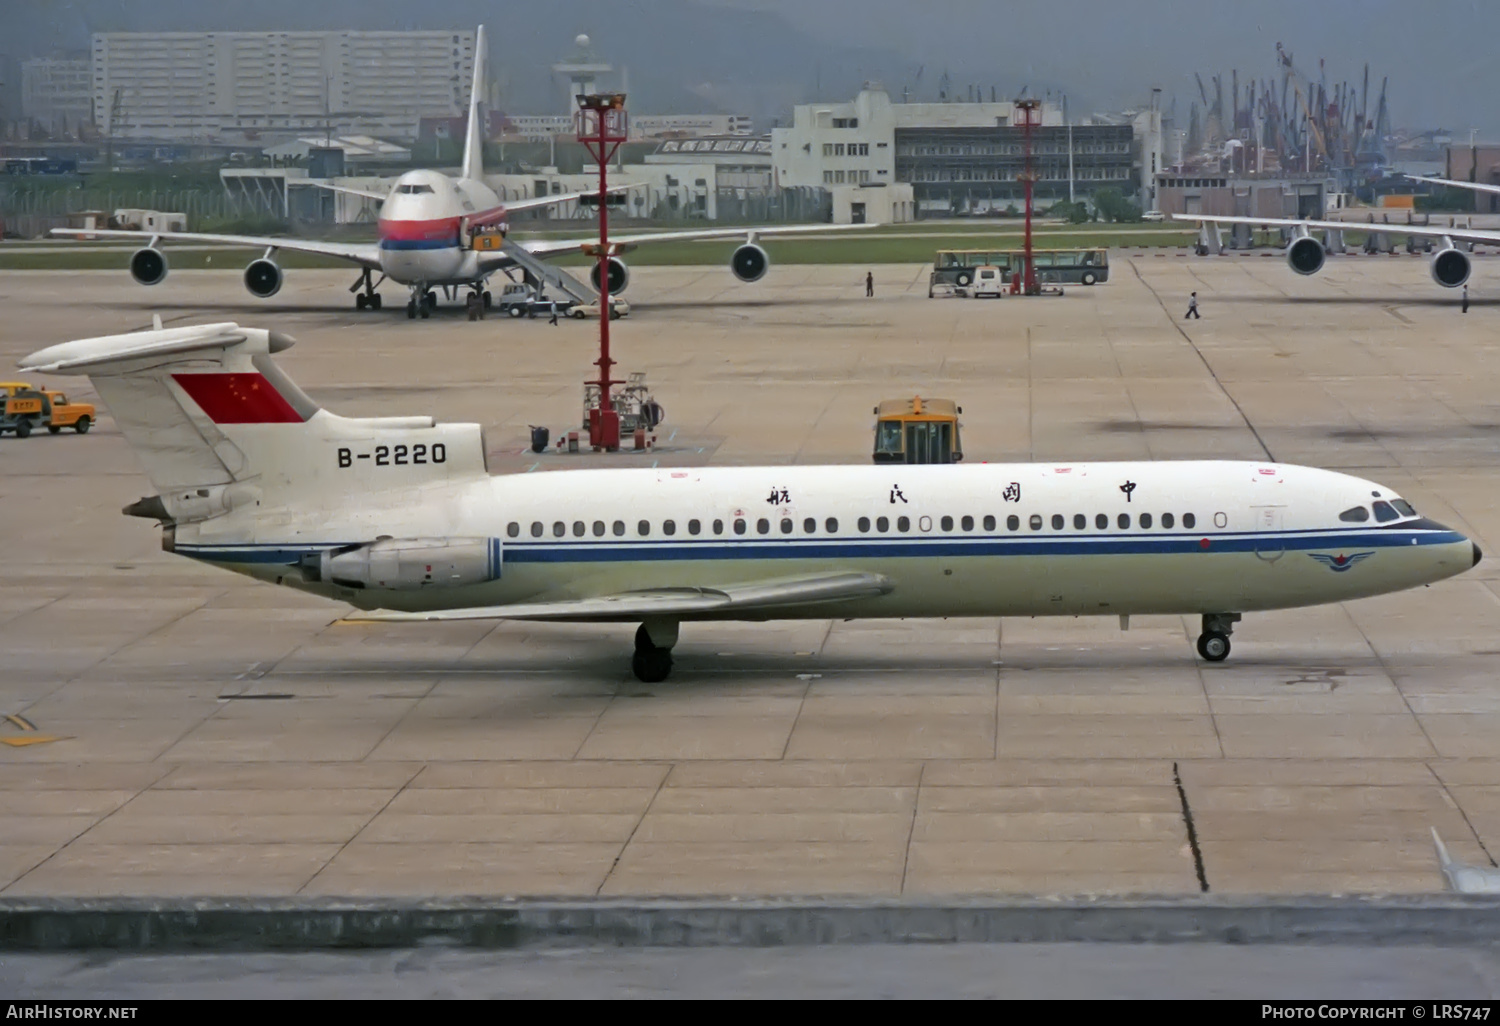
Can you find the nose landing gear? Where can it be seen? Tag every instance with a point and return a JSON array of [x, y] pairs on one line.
[[422, 301], [1213, 643]]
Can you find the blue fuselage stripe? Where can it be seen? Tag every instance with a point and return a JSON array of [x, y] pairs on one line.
[[584, 550]]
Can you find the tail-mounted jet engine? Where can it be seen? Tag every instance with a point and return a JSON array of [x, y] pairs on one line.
[[1305, 255], [1450, 265], [409, 564], [619, 276], [148, 266], [263, 278], [750, 262]]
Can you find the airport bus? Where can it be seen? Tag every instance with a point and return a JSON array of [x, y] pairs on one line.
[[1053, 266]]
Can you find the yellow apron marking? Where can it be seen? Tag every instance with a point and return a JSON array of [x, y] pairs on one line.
[[31, 737]]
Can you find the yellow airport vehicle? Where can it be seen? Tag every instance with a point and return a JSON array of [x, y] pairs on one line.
[[917, 430], [23, 409]]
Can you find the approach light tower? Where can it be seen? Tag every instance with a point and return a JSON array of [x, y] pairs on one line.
[[1030, 112], [602, 127]]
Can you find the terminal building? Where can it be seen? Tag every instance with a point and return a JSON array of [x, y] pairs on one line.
[[237, 86], [964, 158], [57, 95]]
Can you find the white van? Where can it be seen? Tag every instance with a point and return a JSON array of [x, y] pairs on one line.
[[988, 281]]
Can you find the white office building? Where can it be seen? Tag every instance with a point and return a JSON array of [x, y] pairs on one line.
[[234, 86], [57, 93]]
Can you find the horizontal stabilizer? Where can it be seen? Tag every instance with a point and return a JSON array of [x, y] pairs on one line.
[[92, 355], [783, 592]]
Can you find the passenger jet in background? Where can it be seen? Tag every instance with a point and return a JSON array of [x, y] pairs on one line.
[[428, 227]]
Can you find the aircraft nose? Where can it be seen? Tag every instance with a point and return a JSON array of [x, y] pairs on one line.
[[1478, 554]]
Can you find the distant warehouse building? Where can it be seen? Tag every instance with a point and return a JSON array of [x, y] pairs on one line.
[[963, 158], [237, 86], [57, 94]]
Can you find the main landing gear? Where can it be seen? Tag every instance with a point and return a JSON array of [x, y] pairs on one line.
[[1213, 643], [368, 299], [652, 661]]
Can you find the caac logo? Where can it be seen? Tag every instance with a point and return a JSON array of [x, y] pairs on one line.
[[1338, 564]]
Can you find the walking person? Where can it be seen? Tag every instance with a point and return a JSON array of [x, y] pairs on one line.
[[1465, 307], [554, 313], [1193, 307], [869, 284]]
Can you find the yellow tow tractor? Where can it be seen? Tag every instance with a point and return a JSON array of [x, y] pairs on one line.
[[23, 408], [917, 430]]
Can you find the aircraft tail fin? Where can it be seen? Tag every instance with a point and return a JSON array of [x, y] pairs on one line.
[[474, 132], [220, 429]]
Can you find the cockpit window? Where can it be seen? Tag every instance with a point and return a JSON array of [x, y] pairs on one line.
[[1384, 513], [1403, 507], [1357, 515], [413, 189]]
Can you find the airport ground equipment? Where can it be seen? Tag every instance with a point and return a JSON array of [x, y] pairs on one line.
[[638, 410], [957, 268], [988, 281], [24, 409], [917, 430]]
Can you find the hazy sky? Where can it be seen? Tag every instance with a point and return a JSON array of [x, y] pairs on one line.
[[1440, 55]]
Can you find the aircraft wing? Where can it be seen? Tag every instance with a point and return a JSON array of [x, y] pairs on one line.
[[551, 247], [1476, 186], [366, 254], [1462, 234], [366, 193], [767, 596]]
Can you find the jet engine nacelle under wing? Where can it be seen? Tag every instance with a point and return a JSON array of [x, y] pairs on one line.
[[749, 262], [263, 278], [1305, 255], [148, 266], [619, 276], [1450, 267]]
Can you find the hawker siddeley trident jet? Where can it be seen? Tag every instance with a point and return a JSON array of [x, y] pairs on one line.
[[1450, 266], [400, 516], [428, 226]]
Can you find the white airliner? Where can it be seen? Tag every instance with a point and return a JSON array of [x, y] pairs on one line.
[[1450, 266], [399, 515], [426, 227]]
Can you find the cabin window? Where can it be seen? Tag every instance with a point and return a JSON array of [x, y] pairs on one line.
[[882, 524], [598, 529], [1167, 520], [763, 526], [718, 527], [513, 529], [989, 524], [1403, 507], [1124, 521], [1189, 521], [559, 529], [831, 525], [946, 523], [864, 525], [786, 526], [1384, 513], [536, 528], [1035, 523], [1013, 523], [1356, 515], [578, 528], [1145, 519], [694, 526], [1080, 521], [669, 527], [1058, 521], [967, 523], [809, 526], [1101, 521], [903, 524], [739, 526], [643, 528], [618, 528], [1221, 520]]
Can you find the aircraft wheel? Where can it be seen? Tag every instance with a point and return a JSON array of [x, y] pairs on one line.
[[489, 300], [652, 665], [82, 427], [361, 301], [1213, 646], [375, 301], [425, 311], [431, 300], [411, 309]]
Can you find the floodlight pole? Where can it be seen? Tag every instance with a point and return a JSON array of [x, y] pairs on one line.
[[1030, 111], [601, 129]]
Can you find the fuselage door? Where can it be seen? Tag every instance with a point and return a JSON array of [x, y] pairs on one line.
[[1270, 542]]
